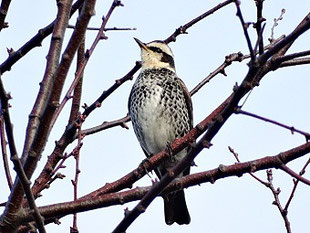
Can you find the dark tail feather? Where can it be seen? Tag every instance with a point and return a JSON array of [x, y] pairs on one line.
[[176, 209]]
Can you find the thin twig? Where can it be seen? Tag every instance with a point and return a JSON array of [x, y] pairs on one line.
[[303, 170], [108, 124], [294, 174], [258, 26], [76, 153], [291, 128], [251, 173], [277, 202], [106, 29], [182, 29], [275, 23], [220, 70], [245, 27]]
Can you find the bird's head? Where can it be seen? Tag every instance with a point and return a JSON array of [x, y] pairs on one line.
[[156, 54]]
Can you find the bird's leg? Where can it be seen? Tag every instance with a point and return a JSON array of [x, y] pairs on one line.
[[169, 151], [144, 161]]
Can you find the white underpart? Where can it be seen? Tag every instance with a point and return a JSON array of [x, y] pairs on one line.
[[160, 134]]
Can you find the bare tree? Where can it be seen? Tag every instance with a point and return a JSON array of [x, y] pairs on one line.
[[21, 213]]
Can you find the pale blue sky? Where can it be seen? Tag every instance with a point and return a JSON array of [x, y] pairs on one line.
[[229, 205]]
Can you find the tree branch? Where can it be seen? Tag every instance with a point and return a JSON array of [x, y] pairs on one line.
[[303, 170], [182, 29], [291, 128], [119, 198], [245, 27], [277, 202], [4, 153]]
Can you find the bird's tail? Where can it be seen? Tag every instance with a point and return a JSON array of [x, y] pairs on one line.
[[176, 209]]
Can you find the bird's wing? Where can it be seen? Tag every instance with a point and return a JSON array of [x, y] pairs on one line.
[[188, 100]]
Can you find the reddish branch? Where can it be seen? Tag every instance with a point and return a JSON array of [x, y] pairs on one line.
[[77, 94], [120, 198], [37, 125]]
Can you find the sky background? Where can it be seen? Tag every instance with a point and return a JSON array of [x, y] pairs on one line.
[[229, 205]]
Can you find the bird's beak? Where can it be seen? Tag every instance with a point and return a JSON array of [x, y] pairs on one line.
[[141, 44]]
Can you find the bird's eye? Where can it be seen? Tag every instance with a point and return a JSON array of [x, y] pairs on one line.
[[156, 50]]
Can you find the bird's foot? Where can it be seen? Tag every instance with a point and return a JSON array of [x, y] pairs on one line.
[[169, 151]]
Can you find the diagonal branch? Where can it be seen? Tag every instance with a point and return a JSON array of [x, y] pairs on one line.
[[294, 174], [182, 29]]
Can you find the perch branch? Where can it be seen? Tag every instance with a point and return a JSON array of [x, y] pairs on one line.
[[120, 198]]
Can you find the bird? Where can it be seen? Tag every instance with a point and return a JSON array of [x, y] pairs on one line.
[[160, 109]]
